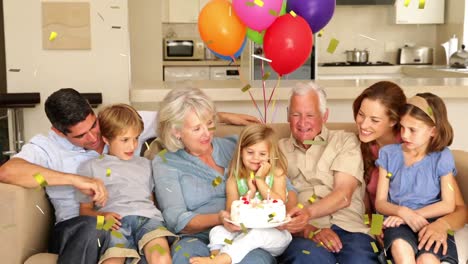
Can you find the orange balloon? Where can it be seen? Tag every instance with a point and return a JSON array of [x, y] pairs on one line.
[[220, 28]]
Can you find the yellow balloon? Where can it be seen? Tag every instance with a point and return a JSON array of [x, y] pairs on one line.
[[220, 28]]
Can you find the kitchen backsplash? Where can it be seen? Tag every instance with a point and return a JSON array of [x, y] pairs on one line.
[[360, 27]]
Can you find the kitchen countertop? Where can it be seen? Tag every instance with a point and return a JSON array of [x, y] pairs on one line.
[[230, 90]]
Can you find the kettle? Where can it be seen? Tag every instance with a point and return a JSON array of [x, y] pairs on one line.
[[459, 59]]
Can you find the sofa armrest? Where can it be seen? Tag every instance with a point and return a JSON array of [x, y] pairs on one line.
[[24, 228]]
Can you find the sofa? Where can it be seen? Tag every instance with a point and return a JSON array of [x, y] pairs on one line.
[[27, 216]]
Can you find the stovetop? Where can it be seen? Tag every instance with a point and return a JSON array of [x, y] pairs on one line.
[[342, 63]]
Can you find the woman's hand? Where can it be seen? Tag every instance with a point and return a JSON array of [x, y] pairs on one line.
[[230, 227], [412, 219], [111, 216], [435, 232], [393, 221]]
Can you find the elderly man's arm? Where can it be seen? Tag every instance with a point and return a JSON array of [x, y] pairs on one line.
[[237, 119], [339, 198]]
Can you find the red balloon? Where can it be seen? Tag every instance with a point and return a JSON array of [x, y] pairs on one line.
[[288, 43]]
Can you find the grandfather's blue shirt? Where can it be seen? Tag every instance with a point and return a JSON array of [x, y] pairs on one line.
[[57, 153], [418, 185]]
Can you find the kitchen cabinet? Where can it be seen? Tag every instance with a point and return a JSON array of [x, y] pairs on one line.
[[432, 13], [181, 11], [365, 2]]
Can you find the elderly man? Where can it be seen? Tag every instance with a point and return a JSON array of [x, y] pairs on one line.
[[326, 168], [74, 138]]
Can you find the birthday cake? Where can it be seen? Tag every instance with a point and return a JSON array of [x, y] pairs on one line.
[[257, 213]]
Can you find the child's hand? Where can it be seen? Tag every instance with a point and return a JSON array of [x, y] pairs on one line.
[[252, 187], [393, 221], [116, 217], [264, 169], [412, 219]]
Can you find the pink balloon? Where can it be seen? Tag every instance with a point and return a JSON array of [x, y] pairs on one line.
[[257, 17]]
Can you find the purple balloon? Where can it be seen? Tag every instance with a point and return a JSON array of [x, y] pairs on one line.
[[316, 12]]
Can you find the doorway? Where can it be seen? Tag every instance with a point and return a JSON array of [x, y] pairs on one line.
[[3, 89]]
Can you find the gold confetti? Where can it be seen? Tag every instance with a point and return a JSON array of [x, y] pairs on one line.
[[177, 248], [101, 156], [212, 128], [40, 179], [293, 13], [320, 34], [244, 230], [99, 222], [429, 111], [273, 12], [162, 228], [252, 175], [305, 252], [330, 243], [300, 205], [108, 225], [266, 76], [246, 88], [389, 261], [249, 3], [227, 241], [212, 256], [108, 172], [115, 7], [120, 245], [311, 234], [187, 255], [389, 175], [407, 2], [259, 3], [158, 248], [192, 240], [374, 247], [314, 142], [332, 45], [376, 225], [450, 187], [217, 181], [450, 232], [366, 219], [52, 36], [312, 198], [116, 234], [272, 215], [422, 4], [320, 244], [162, 154]]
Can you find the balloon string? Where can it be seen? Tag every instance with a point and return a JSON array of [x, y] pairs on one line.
[[264, 92], [251, 97], [274, 88]]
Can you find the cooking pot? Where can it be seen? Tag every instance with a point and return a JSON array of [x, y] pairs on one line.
[[357, 56], [459, 59]]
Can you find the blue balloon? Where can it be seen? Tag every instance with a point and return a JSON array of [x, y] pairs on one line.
[[236, 55]]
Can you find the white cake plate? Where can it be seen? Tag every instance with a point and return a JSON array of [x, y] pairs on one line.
[[261, 225]]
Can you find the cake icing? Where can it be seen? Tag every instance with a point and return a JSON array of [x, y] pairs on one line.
[[257, 213]]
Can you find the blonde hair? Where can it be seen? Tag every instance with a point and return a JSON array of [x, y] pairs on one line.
[[173, 108], [252, 135], [116, 119]]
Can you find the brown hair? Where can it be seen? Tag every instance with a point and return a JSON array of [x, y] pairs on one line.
[[444, 134], [117, 119], [393, 98], [252, 135]]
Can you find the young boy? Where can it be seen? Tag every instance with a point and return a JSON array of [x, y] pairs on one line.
[[138, 229]]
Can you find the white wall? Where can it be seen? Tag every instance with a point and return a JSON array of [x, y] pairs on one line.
[[105, 68]]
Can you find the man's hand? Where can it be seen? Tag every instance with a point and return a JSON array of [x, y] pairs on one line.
[[299, 220], [415, 221], [237, 119], [435, 232], [116, 217], [328, 239], [92, 187], [230, 227]]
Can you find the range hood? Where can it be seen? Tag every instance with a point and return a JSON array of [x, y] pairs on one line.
[[365, 2]]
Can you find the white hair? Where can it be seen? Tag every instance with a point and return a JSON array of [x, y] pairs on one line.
[[173, 108], [304, 88]]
